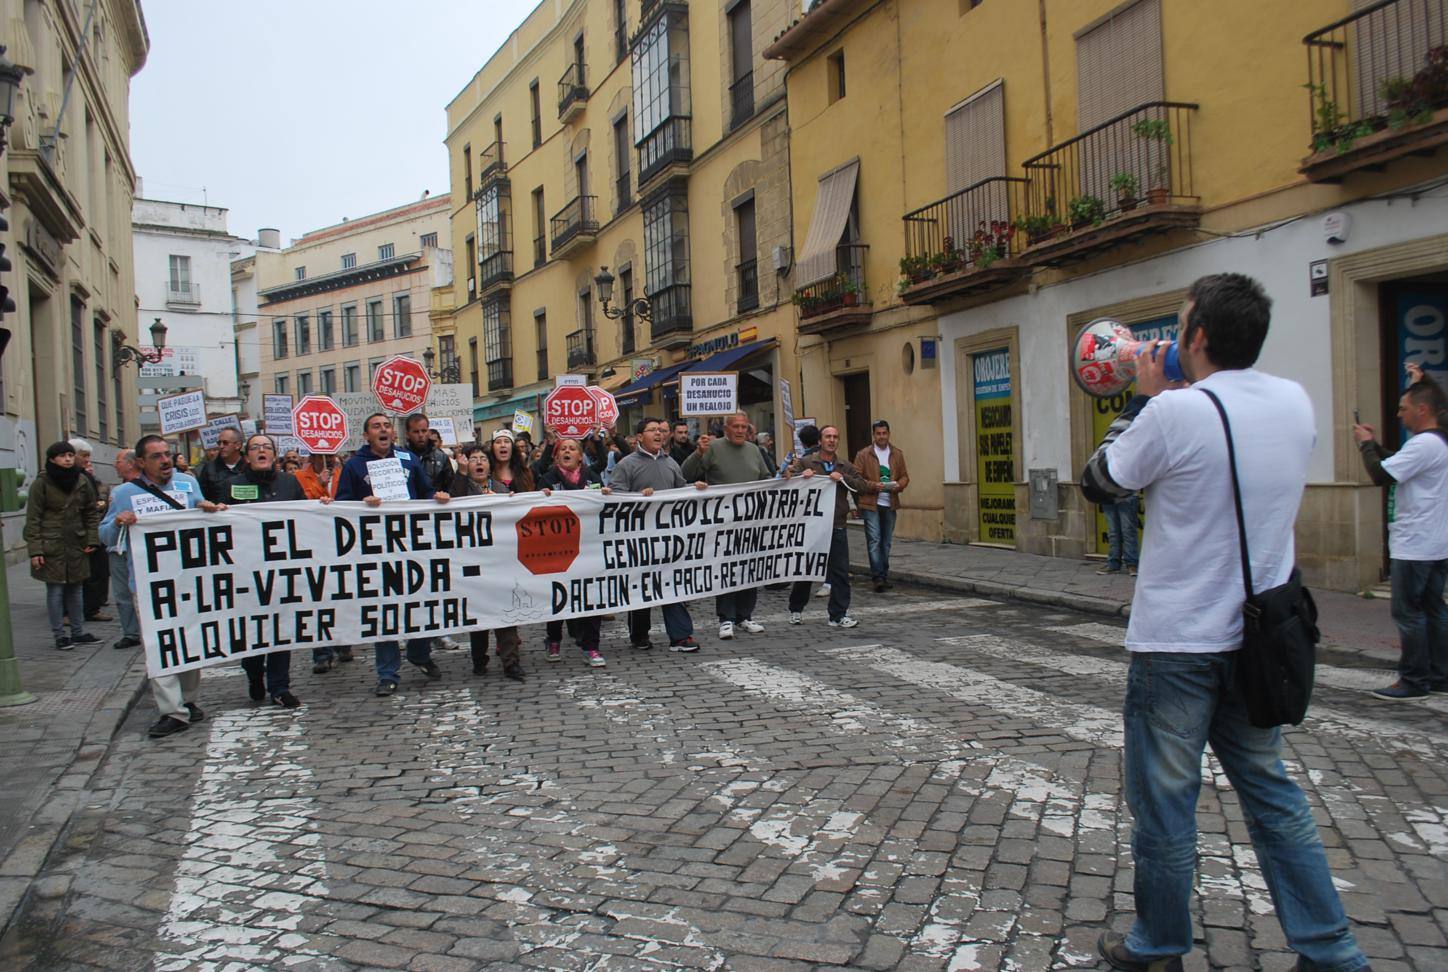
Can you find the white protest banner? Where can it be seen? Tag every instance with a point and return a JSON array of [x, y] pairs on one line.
[[443, 426], [213, 588], [708, 392], [387, 478], [211, 432], [522, 422], [276, 410], [182, 413]]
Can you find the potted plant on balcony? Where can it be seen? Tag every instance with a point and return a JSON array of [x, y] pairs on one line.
[[914, 270], [1159, 131], [1086, 211], [849, 292], [1125, 185]]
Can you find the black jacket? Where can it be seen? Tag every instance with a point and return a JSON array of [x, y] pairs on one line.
[[213, 477], [435, 463], [277, 489]]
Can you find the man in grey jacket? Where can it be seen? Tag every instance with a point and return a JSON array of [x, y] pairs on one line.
[[647, 468]]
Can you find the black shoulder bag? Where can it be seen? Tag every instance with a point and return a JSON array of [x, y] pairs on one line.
[[1279, 631]]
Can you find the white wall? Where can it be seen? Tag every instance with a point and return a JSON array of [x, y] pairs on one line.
[[1299, 345]]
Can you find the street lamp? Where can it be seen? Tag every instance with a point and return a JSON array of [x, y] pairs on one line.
[[451, 373], [123, 354], [10, 76], [640, 307]]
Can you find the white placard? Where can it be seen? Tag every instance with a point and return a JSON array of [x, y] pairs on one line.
[[522, 422], [146, 504], [248, 427], [290, 443], [276, 411], [708, 392], [304, 575], [182, 413], [211, 433], [443, 426], [388, 479], [786, 406]]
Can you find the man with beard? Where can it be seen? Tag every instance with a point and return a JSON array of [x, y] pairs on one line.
[[425, 448]]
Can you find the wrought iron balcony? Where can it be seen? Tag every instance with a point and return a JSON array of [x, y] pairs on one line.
[[671, 323], [1376, 87], [491, 165], [741, 100], [667, 146], [1129, 177], [182, 292], [500, 375], [580, 349], [572, 92], [965, 243], [839, 301], [747, 277], [496, 269], [575, 225]]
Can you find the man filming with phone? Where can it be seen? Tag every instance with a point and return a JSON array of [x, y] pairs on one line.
[[1186, 623]]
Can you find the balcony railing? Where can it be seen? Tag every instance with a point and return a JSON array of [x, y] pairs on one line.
[[672, 319], [747, 274], [845, 289], [579, 218], [182, 292], [540, 251], [491, 164], [572, 92], [665, 146], [580, 349], [624, 189], [1146, 151], [741, 100], [1378, 72], [500, 374], [496, 268], [969, 229]]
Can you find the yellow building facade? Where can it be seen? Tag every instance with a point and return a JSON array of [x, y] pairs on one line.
[[341, 300], [649, 139], [1012, 171]]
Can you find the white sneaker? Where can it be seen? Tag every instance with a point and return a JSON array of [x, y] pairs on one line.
[[845, 621], [726, 630], [796, 618], [751, 625], [824, 591]]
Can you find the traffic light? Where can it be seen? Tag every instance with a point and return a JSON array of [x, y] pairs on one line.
[[7, 305]]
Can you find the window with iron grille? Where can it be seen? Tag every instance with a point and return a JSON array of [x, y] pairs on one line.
[[491, 240], [741, 81], [118, 392], [660, 69], [626, 342], [622, 150], [536, 103], [666, 242], [748, 267], [473, 366], [620, 29], [497, 342], [98, 347]]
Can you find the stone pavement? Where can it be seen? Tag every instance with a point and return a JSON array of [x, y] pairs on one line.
[[938, 788], [1348, 621], [52, 746]]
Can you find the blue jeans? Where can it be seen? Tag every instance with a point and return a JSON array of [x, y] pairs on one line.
[[879, 532], [1422, 620], [677, 623], [837, 575], [65, 601], [1176, 703], [1122, 522], [124, 597], [277, 666], [389, 657]]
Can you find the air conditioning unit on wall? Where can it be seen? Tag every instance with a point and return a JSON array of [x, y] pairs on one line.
[[781, 259]]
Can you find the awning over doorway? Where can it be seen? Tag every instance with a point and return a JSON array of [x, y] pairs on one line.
[[641, 392], [831, 212], [726, 360], [492, 410]]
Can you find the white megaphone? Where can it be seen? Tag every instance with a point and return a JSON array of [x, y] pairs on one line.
[[1106, 356]]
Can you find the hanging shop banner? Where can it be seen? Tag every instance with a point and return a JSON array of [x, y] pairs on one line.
[[1105, 410], [708, 392], [182, 413], [213, 588], [1421, 311], [995, 446]]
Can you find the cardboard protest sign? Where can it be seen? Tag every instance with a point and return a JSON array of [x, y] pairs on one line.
[[708, 392], [182, 413], [212, 588]]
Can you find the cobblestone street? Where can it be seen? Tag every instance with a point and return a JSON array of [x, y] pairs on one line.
[[937, 788]]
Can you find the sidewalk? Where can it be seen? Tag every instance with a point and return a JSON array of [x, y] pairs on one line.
[[51, 746], [1348, 622]]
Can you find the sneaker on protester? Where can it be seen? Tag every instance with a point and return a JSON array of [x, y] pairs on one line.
[[555, 651], [684, 644], [845, 621], [824, 591], [595, 658], [796, 617], [726, 630], [752, 626]]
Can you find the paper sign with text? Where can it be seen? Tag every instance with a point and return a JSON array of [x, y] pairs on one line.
[[277, 411], [214, 588], [708, 392], [443, 426], [182, 413], [387, 478]]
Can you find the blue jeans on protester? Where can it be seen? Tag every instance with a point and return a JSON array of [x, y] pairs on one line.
[[1176, 703], [389, 657], [879, 532], [277, 666], [124, 597], [1422, 620], [1122, 522]]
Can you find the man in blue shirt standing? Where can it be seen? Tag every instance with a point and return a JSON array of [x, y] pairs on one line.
[[356, 484], [157, 482]]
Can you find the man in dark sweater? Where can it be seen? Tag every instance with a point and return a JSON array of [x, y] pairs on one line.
[[732, 459], [647, 468], [214, 473]]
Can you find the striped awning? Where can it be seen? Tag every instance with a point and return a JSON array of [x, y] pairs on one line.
[[831, 213]]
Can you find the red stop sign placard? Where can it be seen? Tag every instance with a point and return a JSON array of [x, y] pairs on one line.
[[401, 384], [607, 406], [320, 423], [570, 411], [548, 539]]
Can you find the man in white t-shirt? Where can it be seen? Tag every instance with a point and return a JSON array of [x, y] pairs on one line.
[[1417, 476], [1186, 625]]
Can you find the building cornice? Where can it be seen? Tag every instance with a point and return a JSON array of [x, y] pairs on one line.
[[340, 279]]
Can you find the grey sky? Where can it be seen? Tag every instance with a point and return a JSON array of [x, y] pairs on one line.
[[296, 113]]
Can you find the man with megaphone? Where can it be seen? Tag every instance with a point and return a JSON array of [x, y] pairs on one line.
[[1186, 627]]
